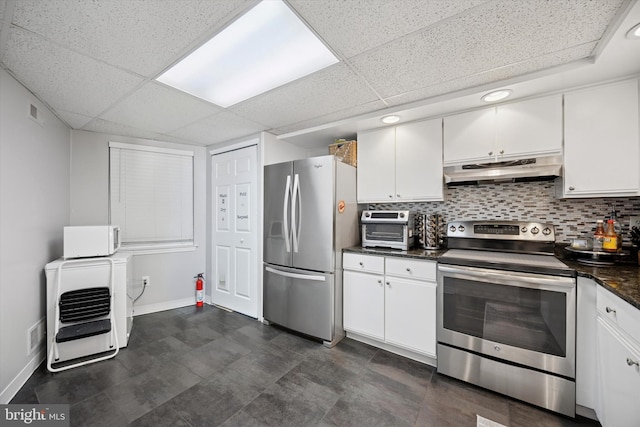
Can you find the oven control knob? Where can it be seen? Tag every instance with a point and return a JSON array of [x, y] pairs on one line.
[[546, 231], [452, 229], [367, 214], [496, 347], [523, 229], [461, 228], [535, 230], [401, 214]]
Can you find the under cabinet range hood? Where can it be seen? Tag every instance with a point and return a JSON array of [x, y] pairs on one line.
[[532, 169]]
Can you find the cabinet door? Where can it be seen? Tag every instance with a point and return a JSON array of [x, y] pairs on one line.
[[601, 141], [530, 128], [619, 378], [410, 314], [363, 305], [586, 346], [419, 161], [470, 137], [376, 166]]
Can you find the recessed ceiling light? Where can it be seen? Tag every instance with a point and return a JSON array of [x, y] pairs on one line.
[[267, 47], [390, 119], [497, 95], [634, 33]]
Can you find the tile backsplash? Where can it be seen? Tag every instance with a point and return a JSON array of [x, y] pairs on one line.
[[530, 201]]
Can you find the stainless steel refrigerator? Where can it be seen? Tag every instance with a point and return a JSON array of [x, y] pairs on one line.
[[310, 214]]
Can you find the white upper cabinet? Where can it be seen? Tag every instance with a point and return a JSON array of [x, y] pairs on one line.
[[601, 153], [470, 137], [376, 166], [511, 131], [401, 164]]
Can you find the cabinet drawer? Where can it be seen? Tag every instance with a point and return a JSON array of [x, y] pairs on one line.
[[619, 312], [358, 262], [403, 267]]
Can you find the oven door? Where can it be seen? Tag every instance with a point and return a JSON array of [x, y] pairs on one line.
[[527, 319]]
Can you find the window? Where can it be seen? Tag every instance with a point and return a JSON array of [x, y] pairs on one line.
[[151, 195]]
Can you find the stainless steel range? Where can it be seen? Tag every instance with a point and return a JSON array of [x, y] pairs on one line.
[[506, 312]]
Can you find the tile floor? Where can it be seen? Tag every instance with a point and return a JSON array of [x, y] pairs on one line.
[[208, 367]]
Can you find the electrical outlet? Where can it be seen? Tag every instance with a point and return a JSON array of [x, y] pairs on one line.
[[146, 281], [634, 221]]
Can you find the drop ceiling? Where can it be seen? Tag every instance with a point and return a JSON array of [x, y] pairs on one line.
[[94, 62]]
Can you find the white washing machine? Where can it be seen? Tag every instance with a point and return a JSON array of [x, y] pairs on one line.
[[84, 287]]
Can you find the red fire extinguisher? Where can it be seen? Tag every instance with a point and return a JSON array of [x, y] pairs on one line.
[[199, 289]]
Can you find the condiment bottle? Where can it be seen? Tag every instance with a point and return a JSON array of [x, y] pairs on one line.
[[610, 242], [598, 237]]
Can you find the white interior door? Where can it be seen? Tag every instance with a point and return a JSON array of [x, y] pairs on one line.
[[235, 230]]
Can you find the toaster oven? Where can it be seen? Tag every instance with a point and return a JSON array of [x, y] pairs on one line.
[[387, 229]]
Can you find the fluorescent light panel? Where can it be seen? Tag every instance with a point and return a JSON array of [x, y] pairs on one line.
[[265, 48]]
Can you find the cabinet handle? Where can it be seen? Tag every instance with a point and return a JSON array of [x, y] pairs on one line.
[[408, 269], [388, 284], [632, 362], [391, 196], [361, 264], [397, 195], [491, 153], [610, 310], [380, 281], [501, 151], [572, 188]]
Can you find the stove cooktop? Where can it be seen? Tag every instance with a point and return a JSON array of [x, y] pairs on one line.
[[526, 263]]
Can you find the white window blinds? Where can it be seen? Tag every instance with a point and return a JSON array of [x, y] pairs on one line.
[[151, 194]]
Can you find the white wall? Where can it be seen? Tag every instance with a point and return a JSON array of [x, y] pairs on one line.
[[34, 208], [171, 274]]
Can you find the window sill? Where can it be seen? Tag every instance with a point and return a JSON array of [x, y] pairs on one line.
[[158, 249]]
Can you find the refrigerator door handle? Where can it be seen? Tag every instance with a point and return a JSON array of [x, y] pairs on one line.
[[296, 208], [285, 213], [296, 275]]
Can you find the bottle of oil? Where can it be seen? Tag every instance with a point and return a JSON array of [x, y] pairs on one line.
[[610, 242], [598, 237]]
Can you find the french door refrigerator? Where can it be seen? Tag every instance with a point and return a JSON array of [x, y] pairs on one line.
[[310, 215]]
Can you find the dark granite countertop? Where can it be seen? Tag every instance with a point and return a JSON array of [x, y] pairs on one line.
[[424, 254], [622, 279]]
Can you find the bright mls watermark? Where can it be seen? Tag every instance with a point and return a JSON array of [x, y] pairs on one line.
[[34, 415]]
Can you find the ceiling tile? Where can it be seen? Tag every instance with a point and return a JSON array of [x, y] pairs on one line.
[[220, 127], [466, 45], [341, 114], [365, 24], [335, 87], [65, 79], [158, 108], [503, 73], [76, 121], [140, 36], [104, 126]]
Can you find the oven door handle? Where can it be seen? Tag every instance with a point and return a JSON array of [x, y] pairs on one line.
[[514, 278]]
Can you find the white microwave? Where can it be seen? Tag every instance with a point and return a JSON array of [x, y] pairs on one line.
[[90, 241]]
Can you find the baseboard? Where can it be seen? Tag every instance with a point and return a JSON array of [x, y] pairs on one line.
[[16, 384], [393, 349], [162, 306]]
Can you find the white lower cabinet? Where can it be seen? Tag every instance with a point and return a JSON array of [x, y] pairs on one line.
[[363, 303], [619, 372], [396, 306], [410, 308]]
